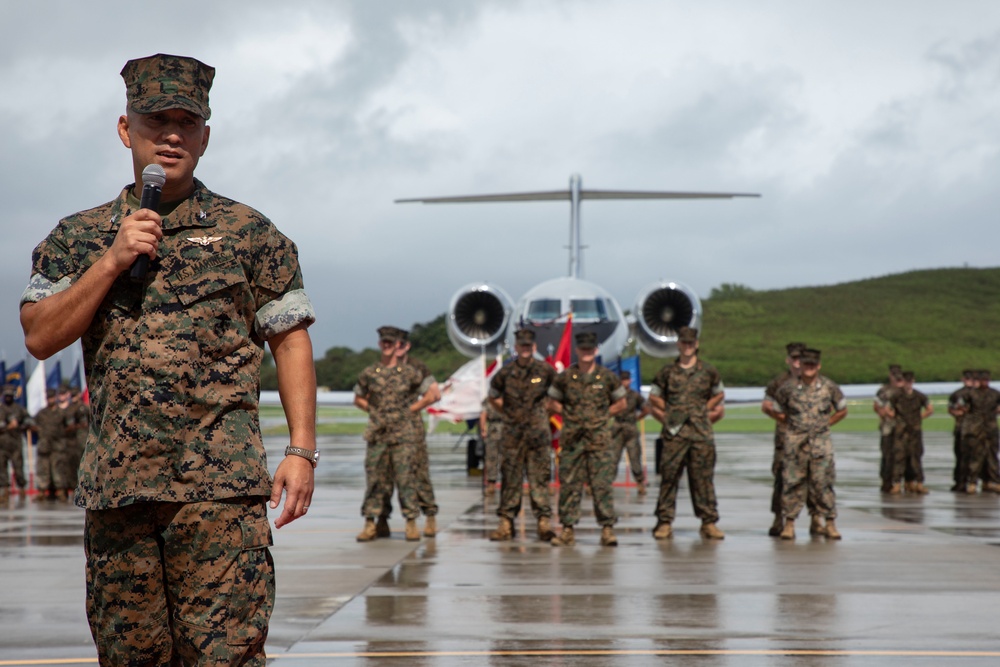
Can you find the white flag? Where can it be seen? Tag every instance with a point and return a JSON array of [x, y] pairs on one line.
[[36, 390]]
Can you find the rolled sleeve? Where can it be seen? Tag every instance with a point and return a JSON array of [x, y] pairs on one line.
[[284, 313], [40, 287]]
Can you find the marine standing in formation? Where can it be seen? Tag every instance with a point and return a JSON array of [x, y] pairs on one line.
[[587, 395], [519, 391], [956, 410], [978, 406], [809, 407], [792, 357], [909, 408], [175, 471], [887, 427], [50, 462], [682, 395], [387, 390], [625, 432], [13, 423]]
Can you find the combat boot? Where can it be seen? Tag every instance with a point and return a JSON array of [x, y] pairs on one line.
[[776, 527], [918, 487], [545, 532], [608, 538], [430, 526], [910, 487], [992, 487], [894, 490], [711, 532], [382, 527], [815, 525], [368, 533], [663, 531], [504, 532], [788, 532], [641, 489], [566, 538], [411, 532], [60, 494], [831, 531], [971, 489]]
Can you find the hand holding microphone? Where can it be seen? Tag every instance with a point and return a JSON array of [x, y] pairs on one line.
[[153, 178]]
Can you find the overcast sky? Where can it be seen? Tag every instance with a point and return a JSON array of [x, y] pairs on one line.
[[871, 130]]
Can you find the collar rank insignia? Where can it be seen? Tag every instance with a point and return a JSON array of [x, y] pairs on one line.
[[204, 240]]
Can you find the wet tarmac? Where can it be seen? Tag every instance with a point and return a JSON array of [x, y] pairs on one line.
[[915, 581]]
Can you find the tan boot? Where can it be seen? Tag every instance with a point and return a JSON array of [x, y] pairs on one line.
[[608, 538], [412, 533], [788, 532], [430, 526], [711, 532], [545, 532], [566, 538], [641, 489], [831, 531], [504, 532], [368, 533], [663, 531], [382, 527], [992, 487], [919, 487], [971, 489], [894, 490], [815, 525], [776, 527], [910, 487]]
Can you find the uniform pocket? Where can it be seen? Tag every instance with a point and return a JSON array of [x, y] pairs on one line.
[[252, 596]]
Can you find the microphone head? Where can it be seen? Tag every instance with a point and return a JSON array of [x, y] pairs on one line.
[[154, 175]]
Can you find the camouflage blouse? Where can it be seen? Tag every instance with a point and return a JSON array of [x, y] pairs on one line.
[[173, 361]]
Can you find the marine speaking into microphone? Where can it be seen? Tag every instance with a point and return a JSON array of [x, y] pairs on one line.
[[153, 179]]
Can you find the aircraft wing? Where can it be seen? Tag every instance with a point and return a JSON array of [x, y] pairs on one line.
[[567, 195]]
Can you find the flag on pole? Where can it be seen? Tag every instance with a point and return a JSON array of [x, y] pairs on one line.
[[37, 384], [54, 377], [15, 375], [561, 362], [462, 394]]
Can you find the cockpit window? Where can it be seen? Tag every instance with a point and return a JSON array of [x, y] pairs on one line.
[[591, 309], [544, 309]]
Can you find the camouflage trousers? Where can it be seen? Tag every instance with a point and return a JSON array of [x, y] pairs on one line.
[[958, 473], [777, 465], [908, 456], [626, 438], [979, 452], [180, 583], [698, 457], [526, 452], [388, 466], [809, 474], [887, 462], [587, 457], [421, 485], [13, 455], [51, 472], [491, 462]]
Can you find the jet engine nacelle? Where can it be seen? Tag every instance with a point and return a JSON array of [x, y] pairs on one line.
[[660, 310], [477, 318]]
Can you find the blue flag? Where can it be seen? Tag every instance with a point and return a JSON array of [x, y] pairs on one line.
[[630, 364], [18, 378], [54, 377]]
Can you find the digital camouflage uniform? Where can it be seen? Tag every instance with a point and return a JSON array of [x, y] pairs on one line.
[[422, 475], [491, 439], [908, 436], [980, 434], [625, 435], [688, 439], [526, 443], [587, 453], [13, 420], [808, 469], [955, 402], [174, 476], [780, 430], [81, 416], [887, 434], [50, 467], [392, 436]]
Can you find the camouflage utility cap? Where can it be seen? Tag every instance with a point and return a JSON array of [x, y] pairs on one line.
[[524, 337], [687, 335], [161, 82], [586, 340], [895, 370], [794, 350], [810, 356], [391, 333], [908, 376]]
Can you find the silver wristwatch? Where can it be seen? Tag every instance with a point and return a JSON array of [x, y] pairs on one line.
[[311, 454]]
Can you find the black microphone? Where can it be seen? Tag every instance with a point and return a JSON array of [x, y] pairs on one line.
[[153, 178]]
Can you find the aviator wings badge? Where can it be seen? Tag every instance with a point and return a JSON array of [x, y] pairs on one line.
[[204, 240]]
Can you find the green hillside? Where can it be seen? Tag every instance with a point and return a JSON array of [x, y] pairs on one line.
[[935, 322]]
